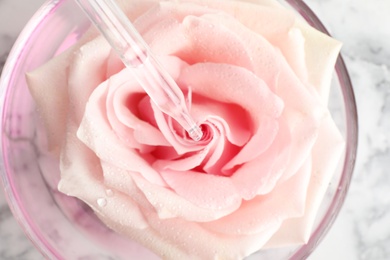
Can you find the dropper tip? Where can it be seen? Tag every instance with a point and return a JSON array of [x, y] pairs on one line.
[[196, 133]]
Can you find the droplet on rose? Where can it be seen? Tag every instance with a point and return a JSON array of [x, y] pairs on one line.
[[109, 193], [102, 202]]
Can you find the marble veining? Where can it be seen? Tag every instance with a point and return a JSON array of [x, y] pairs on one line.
[[362, 230]]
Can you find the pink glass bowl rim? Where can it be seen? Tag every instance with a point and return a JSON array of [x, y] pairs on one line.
[[7, 78]]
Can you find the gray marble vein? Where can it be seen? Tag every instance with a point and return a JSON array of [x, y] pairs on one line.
[[362, 230]]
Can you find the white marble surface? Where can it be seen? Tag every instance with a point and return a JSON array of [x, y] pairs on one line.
[[362, 230]]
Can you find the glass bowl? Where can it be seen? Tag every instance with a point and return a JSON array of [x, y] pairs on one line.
[[64, 228]]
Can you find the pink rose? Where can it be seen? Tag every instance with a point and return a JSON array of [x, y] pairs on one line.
[[257, 80]]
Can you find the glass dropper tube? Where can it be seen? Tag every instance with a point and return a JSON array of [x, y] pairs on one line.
[[136, 55]]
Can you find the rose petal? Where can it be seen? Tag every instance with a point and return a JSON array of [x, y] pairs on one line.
[[180, 144], [267, 21], [123, 100], [169, 205], [179, 239], [234, 119], [260, 175], [161, 27], [264, 61], [95, 132], [84, 79], [48, 86], [124, 113], [241, 87], [188, 41], [118, 179], [292, 45], [265, 17], [327, 152], [206, 39], [203, 190], [246, 6], [264, 136], [195, 242], [265, 211], [303, 114], [136, 8], [273, 24], [77, 158], [114, 64], [166, 10], [212, 157], [219, 153], [50, 96], [319, 47], [182, 164]]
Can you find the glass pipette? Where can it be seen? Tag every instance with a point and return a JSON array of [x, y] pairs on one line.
[[134, 52]]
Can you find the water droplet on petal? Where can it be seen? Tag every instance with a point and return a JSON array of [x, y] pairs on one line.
[[109, 193], [102, 202]]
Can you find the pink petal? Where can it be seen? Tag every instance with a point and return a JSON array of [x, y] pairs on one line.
[[220, 149], [180, 239], [120, 180], [258, 144], [168, 204], [166, 12], [165, 153], [240, 87], [137, 8], [184, 163], [249, 6], [212, 157], [327, 152], [82, 179], [234, 120], [123, 101], [120, 88], [161, 26], [206, 191], [48, 86], [267, 18], [303, 114], [180, 144], [126, 105], [114, 64], [244, 89], [86, 73], [214, 43], [292, 45], [260, 175], [262, 55], [265, 211], [319, 47], [96, 133]]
